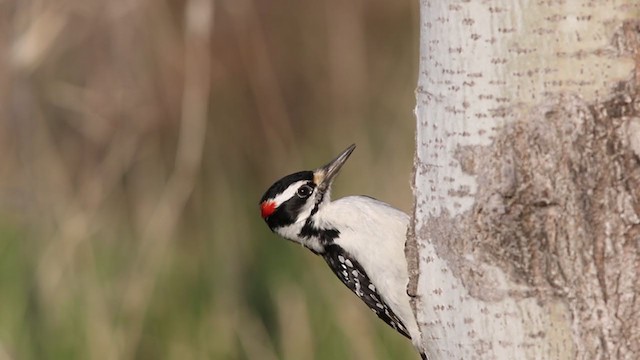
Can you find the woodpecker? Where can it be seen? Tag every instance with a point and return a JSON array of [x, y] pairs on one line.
[[360, 238]]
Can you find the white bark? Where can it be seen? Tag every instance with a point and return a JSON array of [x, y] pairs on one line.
[[527, 178]]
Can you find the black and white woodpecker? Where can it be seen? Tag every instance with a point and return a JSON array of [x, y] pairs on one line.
[[361, 239]]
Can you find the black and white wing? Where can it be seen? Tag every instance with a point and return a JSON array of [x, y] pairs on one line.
[[351, 273]]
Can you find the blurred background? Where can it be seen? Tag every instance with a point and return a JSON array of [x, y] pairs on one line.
[[136, 138]]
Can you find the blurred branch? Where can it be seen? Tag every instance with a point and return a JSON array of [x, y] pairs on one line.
[[32, 46], [102, 130], [293, 316], [161, 227], [75, 216], [263, 80], [4, 355], [254, 337]]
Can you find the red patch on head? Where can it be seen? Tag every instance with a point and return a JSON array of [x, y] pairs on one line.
[[267, 208]]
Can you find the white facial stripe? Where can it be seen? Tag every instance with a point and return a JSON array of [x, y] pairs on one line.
[[289, 192]]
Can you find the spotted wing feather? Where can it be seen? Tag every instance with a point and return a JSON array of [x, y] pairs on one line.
[[351, 273]]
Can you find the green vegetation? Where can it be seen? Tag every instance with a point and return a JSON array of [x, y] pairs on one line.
[[134, 152]]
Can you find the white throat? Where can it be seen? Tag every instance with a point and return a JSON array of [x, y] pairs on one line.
[[292, 233]]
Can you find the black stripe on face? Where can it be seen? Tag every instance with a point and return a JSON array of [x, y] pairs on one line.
[[316, 206], [282, 184], [288, 211]]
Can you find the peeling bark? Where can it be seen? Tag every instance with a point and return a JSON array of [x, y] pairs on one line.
[[526, 240]]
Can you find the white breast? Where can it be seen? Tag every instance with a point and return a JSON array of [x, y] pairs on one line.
[[374, 233]]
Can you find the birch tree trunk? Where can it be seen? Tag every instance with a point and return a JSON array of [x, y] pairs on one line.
[[526, 241]]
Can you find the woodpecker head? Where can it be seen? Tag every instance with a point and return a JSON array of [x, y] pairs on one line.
[[290, 204]]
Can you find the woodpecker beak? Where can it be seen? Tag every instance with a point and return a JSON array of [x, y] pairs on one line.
[[323, 176]]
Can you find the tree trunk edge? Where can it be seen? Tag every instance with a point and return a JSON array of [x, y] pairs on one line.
[[618, 117]]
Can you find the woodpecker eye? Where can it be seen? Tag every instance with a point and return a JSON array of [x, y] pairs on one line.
[[304, 191]]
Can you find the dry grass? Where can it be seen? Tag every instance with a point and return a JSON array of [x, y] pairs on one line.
[[135, 140]]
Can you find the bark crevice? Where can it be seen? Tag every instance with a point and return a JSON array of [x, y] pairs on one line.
[[557, 209]]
